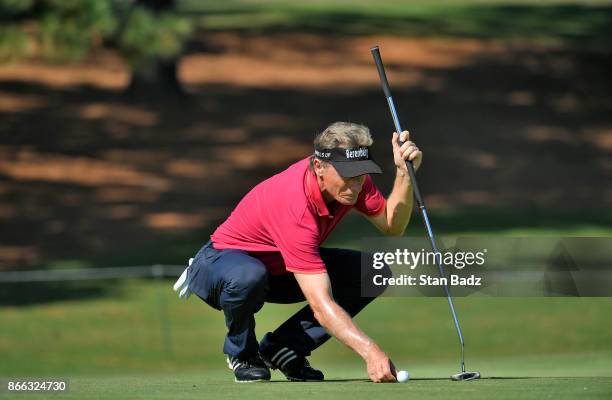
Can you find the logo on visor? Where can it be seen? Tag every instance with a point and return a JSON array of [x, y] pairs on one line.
[[359, 153], [322, 154]]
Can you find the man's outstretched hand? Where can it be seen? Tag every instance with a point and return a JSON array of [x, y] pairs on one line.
[[338, 323], [380, 367]]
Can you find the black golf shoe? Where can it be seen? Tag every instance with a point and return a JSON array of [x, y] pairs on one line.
[[252, 369], [292, 365]]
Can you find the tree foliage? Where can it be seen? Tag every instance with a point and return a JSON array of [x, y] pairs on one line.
[[69, 30]]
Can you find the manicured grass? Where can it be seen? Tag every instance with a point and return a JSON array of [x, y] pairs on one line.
[[194, 386], [139, 341], [142, 327]]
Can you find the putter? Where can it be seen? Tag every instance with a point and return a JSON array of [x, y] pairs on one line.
[[463, 375]]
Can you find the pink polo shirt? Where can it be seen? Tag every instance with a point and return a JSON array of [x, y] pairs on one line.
[[283, 220]]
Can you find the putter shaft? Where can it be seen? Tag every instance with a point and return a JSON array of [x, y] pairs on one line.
[[417, 195]]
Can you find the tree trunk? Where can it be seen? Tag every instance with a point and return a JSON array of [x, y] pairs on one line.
[[158, 77]]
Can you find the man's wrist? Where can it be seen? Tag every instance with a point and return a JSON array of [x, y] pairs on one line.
[[370, 349], [402, 173]]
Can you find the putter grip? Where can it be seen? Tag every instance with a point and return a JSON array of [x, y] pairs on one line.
[[385, 85], [381, 71]]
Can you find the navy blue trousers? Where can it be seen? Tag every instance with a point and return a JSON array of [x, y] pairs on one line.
[[239, 285]]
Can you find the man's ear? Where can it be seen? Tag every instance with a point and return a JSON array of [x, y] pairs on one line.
[[318, 166]]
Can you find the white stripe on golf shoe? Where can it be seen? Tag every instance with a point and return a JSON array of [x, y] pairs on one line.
[[278, 353], [232, 364], [285, 357], [293, 357]]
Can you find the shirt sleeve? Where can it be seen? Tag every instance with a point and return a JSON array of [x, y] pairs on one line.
[[371, 202], [298, 243]]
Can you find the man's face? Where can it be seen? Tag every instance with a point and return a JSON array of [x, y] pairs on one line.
[[335, 187]]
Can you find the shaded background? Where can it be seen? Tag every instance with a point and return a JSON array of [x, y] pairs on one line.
[[129, 131], [118, 153]]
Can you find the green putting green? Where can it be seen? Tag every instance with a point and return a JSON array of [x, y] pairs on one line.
[[137, 340], [196, 386]]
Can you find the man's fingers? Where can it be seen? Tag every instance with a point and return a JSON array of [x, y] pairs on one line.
[[390, 378], [401, 137], [377, 371], [410, 151], [381, 369], [394, 140], [389, 372], [385, 372], [414, 155], [407, 145], [381, 372]]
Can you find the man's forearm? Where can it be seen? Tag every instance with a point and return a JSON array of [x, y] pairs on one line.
[[338, 323], [399, 203]]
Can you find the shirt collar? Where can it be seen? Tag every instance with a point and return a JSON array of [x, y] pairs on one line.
[[314, 194]]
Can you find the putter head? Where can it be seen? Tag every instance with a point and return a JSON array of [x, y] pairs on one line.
[[466, 376]]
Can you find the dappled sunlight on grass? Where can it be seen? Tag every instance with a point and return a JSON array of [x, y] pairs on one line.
[[33, 166], [89, 173]]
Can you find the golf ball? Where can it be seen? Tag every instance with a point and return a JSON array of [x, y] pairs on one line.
[[403, 376]]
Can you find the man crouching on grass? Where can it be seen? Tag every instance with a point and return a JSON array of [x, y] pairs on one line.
[[268, 251]]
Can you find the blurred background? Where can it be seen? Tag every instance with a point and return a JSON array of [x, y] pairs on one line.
[[130, 129]]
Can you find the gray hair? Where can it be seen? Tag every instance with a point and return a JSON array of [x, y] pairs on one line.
[[344, 135]]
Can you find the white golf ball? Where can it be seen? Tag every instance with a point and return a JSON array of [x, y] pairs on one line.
[[403, 376]]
